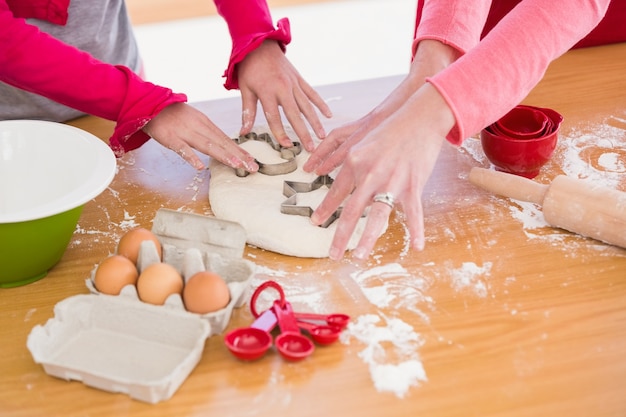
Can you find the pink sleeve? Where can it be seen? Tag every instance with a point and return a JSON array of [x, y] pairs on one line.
[[497, 74], [36, 62], [457, 23], [249, 23]]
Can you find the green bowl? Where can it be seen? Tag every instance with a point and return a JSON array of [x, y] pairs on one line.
[[48, 172]]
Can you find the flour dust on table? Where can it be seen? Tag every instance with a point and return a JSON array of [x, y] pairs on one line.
[[255, 200]]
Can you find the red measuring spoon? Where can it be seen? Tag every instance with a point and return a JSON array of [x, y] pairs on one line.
[[335, 319], [324, 334], [291, 344], [251, 343]]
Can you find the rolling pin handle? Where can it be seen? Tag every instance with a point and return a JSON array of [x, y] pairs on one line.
[[508, 185]]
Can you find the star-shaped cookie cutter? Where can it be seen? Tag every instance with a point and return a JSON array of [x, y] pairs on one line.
[[291, 189], [288, 154]]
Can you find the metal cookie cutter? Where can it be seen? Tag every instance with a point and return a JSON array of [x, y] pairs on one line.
[[292, 188], [288, 154]]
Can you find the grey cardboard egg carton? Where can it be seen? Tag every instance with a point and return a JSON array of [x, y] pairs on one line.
[[192, 243], [118, 343]]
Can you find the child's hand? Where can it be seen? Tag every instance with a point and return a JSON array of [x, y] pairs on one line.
[[182, 128], [267, 75]]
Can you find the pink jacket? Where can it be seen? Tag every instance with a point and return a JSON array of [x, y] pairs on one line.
[[496, 73], [36, 62]]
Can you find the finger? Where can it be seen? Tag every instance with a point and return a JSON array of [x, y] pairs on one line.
[[379, 211], [352, 211], [335, 159], [275, 123], [342, 187], [316, 99], [187, 153], [215, 143], [248, 112], [323, 150], [307, 109], [293, 115], [235, 156], [415, 216], [334, 150], [377, 220]]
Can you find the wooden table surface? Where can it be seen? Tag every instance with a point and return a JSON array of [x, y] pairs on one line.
[[506, 316]]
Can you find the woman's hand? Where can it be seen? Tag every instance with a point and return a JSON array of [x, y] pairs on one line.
[[183, 129], [266, 75], [430, 58], [396, 158], [332, 151]]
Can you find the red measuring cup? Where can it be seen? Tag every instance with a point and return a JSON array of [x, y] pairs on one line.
[[523, 122], [251, 343], [291, 344]]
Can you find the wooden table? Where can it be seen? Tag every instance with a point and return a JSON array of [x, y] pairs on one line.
[[507, 318]]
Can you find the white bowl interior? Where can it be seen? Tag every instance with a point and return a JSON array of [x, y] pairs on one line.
[[47, 168]]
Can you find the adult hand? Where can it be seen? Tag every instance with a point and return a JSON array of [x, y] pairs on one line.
[[182, 128], [431, 57], [266, 75], [332, 151], [395, 158]]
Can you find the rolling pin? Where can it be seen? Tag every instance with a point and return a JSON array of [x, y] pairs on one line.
[[575, 205]]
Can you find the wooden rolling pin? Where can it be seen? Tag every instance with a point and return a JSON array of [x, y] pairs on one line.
[[571, 204]]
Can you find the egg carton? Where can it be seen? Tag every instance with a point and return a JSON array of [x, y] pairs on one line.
[[115, 344], [193, 243], [118, 343]]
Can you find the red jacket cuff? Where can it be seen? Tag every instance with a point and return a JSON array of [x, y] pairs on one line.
[[143, 102], [248, 43]]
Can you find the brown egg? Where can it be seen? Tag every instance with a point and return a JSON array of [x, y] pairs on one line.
[[129, 244], [114, 273], [205, 292], [157, 282]]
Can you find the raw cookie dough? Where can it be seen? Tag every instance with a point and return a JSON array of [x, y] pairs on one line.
[[254, 202]]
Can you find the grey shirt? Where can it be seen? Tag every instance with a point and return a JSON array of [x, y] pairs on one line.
[[100, 27]]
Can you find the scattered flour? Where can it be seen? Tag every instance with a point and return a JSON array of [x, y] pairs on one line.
[[529, 214], [29, 314], [269, 272], [473, 147], [379, 295], [404, 369], [305, 295], [195, 186], [129, 222], [597, 153], [406, 240], [470, 277], [612, 161], [392, 285]]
